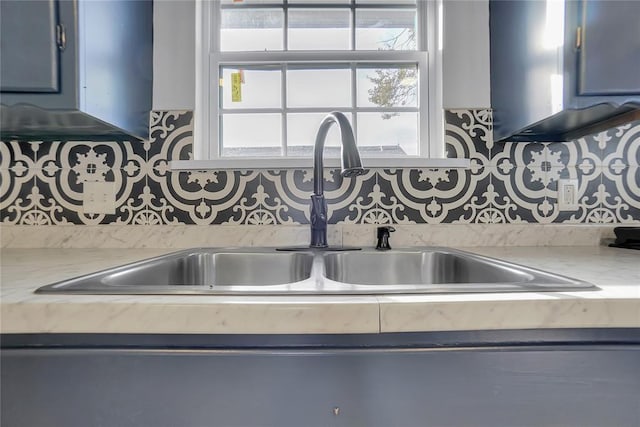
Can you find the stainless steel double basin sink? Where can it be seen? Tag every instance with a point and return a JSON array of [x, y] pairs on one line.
[[269, 272]]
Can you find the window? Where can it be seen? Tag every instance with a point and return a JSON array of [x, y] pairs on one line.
[[270, 70]]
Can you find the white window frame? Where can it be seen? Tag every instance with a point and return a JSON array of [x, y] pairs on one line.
[[209, 59]]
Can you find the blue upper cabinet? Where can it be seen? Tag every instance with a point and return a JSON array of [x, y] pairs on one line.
[[76, 69], [563, 69], [609, 48], [30, 60]]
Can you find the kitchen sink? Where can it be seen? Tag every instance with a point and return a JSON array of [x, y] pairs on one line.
[[439, 270], [194, 271], [419, 267], [268, 272]]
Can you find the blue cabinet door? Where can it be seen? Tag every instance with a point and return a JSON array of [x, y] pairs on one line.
[[610, 48], [29, 47], [586, 386]]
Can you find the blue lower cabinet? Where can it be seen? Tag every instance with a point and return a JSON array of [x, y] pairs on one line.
[[582, 384]]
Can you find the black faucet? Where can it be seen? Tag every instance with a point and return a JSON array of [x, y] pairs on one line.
[[383, 238], [351, 166]]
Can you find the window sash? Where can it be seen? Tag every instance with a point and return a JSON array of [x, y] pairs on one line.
[[285, 109], [420, 6]]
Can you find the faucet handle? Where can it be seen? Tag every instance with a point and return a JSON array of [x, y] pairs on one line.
[[383, 238]]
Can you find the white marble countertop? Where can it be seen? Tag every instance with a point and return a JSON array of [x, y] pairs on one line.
[[615, 271]]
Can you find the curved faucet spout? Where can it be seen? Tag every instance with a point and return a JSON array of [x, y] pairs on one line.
[[350, 158], [351, 166]]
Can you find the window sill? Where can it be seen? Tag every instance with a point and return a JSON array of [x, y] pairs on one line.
[[307, 163]]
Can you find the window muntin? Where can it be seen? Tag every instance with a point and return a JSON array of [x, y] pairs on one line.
[[305, 82], [311, 92], [318, 25]]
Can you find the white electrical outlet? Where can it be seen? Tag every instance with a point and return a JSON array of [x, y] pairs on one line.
[[568, 195], [99, 198]]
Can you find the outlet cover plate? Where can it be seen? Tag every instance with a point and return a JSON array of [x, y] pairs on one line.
[[99, 198], [568, 195]]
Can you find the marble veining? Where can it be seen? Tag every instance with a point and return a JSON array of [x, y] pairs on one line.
[[184, 236]]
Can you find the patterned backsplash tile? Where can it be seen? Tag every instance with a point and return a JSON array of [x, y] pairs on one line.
[[41, 182]]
